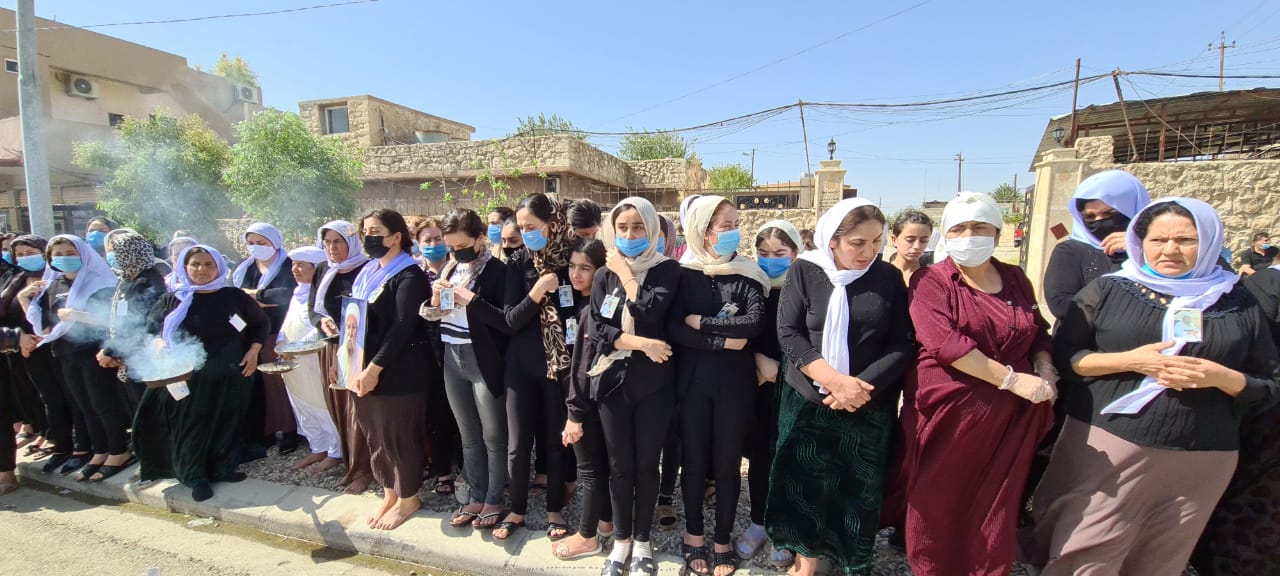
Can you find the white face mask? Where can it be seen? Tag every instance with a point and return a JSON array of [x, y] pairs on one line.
[[260, 252], [970, 251]]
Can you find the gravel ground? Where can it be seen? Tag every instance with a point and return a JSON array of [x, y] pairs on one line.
[[277, 468]]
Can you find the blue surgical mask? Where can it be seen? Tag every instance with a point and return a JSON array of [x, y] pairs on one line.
[[32, 263], [631, 248], [435, 253], [112, 262], [416, 249], [727, 242], [67, 264], [1152, 271], [97, 239], [1266, 246], [534, 240], [495, 233], [774, 267], [8, 257], [662, 245]]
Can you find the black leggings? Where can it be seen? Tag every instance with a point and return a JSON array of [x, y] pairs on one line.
[[759, 449], [535, 406], [94, 390], [65, 425], [634, 432], [593, 478], [442, 429], [9, 415], [671, 460], [713, 427]]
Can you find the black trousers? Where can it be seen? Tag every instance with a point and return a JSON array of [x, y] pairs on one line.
[[65, 426], [442, 429], [535, 407], [714, 419], [671, 459], [633, 433], [30, 409], [94, 390], [593, 478], [759, 448], [10, 414]]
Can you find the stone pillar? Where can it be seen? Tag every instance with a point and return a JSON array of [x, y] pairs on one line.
[[1057, 176], [828, 185], [806, 192]]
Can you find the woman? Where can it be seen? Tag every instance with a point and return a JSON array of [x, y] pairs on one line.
[[634, 393], [846, 337], [24, 401], [194, 431], [497, 218], [95, 234], [344, 258], [539, 301], [667, 241], [978, 401], [512, 240], [141, 285], [582, 427], [473, 331], [68, 312], [265, 276], [584, 218], [721, 306], [777, 246], [1146, 405], [912, 230], [1101, 208], [391, 389], [442, 431], [306, 384], [175, 248]]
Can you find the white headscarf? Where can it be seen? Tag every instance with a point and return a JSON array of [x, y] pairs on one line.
[[272, 235], [355, 259], [310, 255], [969, 207], [835, 327], [94, 275], [705, 260]]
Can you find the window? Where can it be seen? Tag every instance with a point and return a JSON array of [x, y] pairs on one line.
[[336, 121], [11, 65], [115, 120]]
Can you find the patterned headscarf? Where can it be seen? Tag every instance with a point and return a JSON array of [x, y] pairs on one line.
[[553, 258], [133, 254]]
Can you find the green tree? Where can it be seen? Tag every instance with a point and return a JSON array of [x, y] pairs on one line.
[[1006, 193], [235, 70], [165, 174], [643, 145], [729, 177], [282, 173], [543, 125]]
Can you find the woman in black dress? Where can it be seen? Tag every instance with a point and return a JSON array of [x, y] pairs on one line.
[[194, 430], [391, 388], [140, 286]]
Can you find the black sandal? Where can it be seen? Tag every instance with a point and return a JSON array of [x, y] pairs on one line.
[[444, 486], [643, 567], [612, 568], [107, 470], [553, 526], [509, 526], [87, 472], [692, 554], [729, 559]]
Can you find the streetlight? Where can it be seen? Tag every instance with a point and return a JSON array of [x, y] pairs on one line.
[[753, 165], [831, 149], [1058, 133]]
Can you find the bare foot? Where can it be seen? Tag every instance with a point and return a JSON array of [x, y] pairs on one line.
[[388, 502], [393, 518], [804, 566], [326, 464], [309, 460], [558, 518], [359, 485]]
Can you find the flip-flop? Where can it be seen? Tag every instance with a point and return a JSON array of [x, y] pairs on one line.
[[480, 517], [444, 487], [462, 518]]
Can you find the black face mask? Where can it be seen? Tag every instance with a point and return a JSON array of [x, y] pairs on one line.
[[1100, 229], [465, 255], [510, 251], [373, 246]]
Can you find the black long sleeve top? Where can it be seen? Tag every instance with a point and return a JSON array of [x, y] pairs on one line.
[[81, 336], [338, 289], [702, 361], [881, 340], [209, 319], [1118, 315], [1072, 266], [11, 314], [766, 342], [396, 336], [526, 352], [487, 323], [578, 396], [1265, 287], [133, 300], [640, 376], [275, 297]]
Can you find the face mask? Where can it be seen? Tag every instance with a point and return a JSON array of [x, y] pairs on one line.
[[67, 264], [509, 252], [260, 252], [415, 249], [535, 240], [435, 253], [970, 251], [662, 245], [1266, 246], [112, 262], [32, 263], [495, 233], [8, 257], [1100, 229], [1152, 271], [631, 248], [465, 255], [373, 246], [97, 239], [774, 267], [727, 242]]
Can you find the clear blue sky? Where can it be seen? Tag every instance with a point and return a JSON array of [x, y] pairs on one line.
[[606, 65]]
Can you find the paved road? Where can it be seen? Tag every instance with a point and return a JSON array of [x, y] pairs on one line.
[[52, 535]]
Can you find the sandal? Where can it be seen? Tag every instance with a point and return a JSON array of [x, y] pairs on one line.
[[462, 518], [553, 526], [642, 567], [612, 568], [692, 554], [729, 559], [480, 523], [444, 486], [750, 542], [87, 472], [668, 519], [107, 471], [509, 526], [537, 489], [75, 462], [561, 551]]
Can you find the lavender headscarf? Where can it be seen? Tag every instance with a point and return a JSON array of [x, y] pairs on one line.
[[272, 235], [186, 291], [1117, 189], [355, 259]]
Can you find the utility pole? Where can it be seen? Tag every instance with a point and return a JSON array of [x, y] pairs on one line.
[[959, 172], [31, 104], [753, 165], [808, 166], [1222, 57], [1075, 96], [1017, 197]]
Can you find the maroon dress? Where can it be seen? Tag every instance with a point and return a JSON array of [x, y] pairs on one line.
[[967, 444]]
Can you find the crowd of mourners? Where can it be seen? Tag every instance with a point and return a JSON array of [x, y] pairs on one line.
[[874, 375]]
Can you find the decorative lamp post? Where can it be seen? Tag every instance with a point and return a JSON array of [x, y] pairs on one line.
[[831, 149], [1058, 133]]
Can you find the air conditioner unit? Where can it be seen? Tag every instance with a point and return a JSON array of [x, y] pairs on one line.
[[248, 94], [82, 87], [551, 185]]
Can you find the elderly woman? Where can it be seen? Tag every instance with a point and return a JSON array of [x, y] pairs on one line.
[[194, 431], [846, 337], [306, 383], [1164, 355], [978, 401], [333, 279], [175, 248]]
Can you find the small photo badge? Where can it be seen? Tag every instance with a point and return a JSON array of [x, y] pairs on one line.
[[570, 330], [609, 306], [178, 390], [1188, 325], [727, 311], [237, 322], [566, 295], [446, 299]]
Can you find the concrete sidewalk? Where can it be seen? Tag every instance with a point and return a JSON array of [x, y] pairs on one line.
[[338, 520]]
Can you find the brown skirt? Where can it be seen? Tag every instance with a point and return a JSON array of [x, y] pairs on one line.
[[279, 416], [1109, 506], [395, 427], [355, 450]]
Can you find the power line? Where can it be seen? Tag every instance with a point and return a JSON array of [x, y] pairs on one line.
[[214, 17]]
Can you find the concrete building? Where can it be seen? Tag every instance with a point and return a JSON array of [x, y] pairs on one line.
[[90, 83]]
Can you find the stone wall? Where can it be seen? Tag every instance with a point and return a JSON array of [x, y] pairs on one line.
[[377, 122], [509, 157], [749, 221], [674, 173]]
